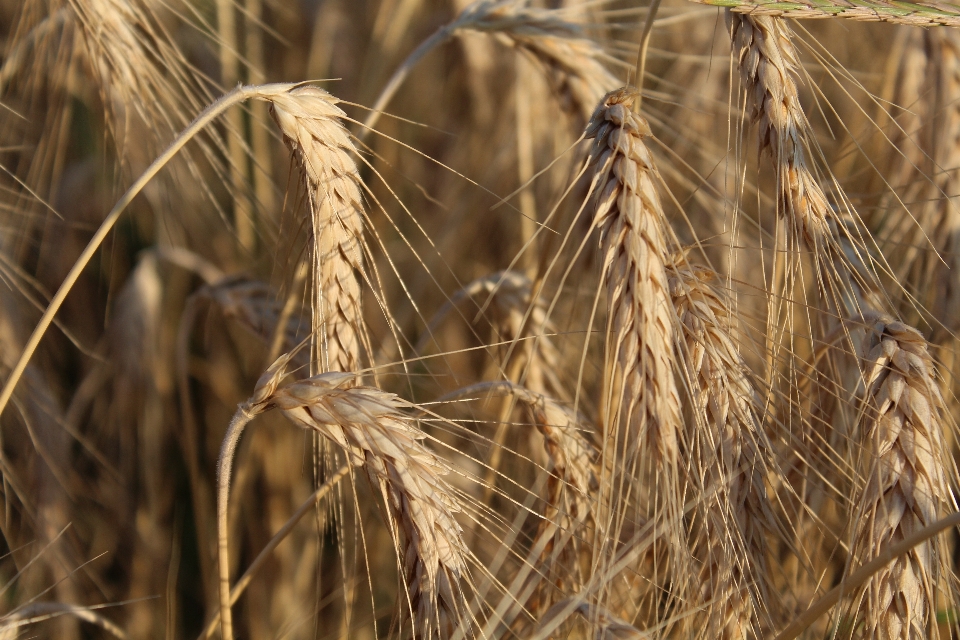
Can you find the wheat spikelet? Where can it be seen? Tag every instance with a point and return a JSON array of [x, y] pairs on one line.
[[730, 442], [310, 122], [768, 63], [905, 488], [372, 429]]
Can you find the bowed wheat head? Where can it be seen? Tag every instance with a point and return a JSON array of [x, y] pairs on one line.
[[577, 345]]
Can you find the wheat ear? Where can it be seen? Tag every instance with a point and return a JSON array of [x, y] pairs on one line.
[[310, 121], [572, 63], [573, 483], [768, 64], [906, 489], [640, 397], [370, 426], [730, 443]]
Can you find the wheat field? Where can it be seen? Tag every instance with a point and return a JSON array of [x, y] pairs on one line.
[[431, 319]]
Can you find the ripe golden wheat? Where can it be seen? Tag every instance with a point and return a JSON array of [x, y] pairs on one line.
[[579, 343]]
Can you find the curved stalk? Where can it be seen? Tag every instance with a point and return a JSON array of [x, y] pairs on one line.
[[224, 466]]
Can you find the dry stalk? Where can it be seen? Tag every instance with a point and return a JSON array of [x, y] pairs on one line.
[[768, 65], [943, 52], [906, 490], [372, 429], [729, 447], [310, 121]]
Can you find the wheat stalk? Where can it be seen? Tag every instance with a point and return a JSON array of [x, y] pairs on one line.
[[370, 426], [310, 121], [906, 490]]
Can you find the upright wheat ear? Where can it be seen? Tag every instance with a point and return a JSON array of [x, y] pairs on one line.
[[370, 426], [310, 121], [903, 462]]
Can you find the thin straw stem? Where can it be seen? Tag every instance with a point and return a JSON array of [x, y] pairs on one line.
[[642, 53], [228, 450], [275, 541]]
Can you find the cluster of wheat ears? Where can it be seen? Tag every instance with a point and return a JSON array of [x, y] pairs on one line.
[[558, 319]]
